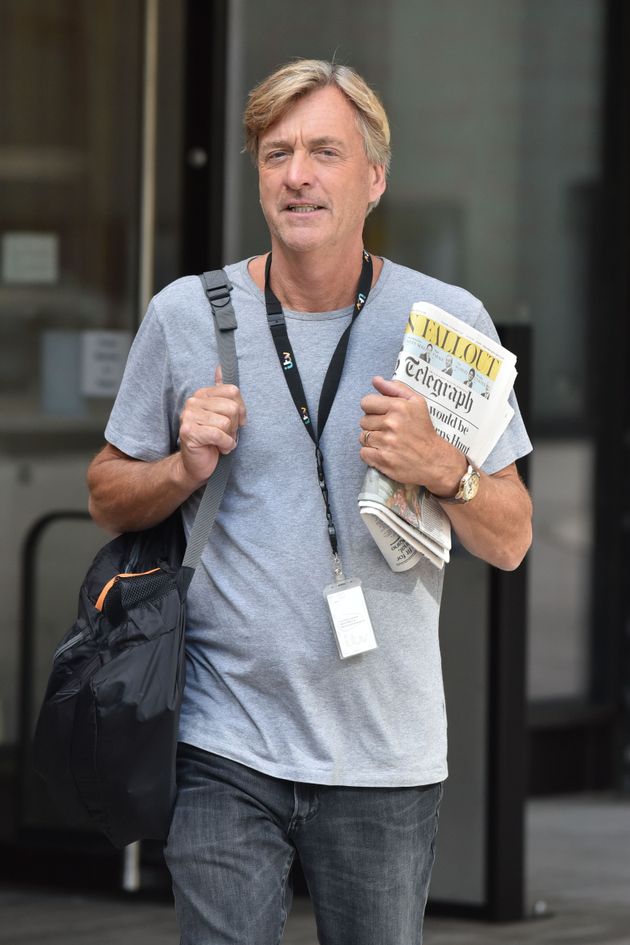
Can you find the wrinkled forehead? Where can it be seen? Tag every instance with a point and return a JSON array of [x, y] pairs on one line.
[[324, 115]]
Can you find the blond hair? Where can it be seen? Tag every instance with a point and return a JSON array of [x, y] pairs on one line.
[[275, 95]]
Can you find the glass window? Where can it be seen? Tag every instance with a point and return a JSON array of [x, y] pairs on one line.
[[70, 143], [495, 121], [495, 111], [69, 158]]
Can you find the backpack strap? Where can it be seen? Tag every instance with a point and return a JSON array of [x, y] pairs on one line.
[[217, 288]]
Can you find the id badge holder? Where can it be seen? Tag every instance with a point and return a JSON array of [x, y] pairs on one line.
[[349, 618]]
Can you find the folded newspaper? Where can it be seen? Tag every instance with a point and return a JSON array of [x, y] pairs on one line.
[[466, 379]]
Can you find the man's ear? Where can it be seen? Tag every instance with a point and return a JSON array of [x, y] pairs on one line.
[[378, 182]]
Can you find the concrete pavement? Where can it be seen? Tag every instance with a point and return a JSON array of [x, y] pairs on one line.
[[578, 893]]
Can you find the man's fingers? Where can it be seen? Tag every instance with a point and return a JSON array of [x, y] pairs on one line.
[[208, 408], [224, 397], [392, 388], [194, 435], [220, 390], [218, 375], [366, 439], [388, 392], [374, 404]]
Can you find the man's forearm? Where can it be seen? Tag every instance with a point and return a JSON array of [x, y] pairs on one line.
[[496, 524], [129, 494]]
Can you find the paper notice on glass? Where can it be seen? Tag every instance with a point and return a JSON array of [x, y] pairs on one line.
[[103, 359], [30, 258]]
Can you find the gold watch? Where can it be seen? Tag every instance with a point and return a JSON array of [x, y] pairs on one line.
[[467, 489]]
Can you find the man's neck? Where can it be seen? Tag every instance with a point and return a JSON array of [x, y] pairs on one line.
[[306, 282]]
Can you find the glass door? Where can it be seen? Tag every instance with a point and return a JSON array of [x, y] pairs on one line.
[[496, 113], [89, 225], [70, 135], [71, 93]]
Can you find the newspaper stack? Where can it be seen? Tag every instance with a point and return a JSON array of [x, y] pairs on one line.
[[466, 379]]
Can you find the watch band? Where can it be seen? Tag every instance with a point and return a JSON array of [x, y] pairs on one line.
[[467, 489]]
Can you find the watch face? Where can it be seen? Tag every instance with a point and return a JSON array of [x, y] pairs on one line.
[[470, 485]]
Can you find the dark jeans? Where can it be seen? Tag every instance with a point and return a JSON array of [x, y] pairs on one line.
[[366, 853]]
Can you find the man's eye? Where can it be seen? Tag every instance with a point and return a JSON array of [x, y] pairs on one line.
[[275, 156]]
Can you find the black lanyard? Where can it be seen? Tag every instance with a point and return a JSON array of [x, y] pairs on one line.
[[288, 362]]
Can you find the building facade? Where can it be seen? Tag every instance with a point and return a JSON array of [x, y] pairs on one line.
[[121, 168]]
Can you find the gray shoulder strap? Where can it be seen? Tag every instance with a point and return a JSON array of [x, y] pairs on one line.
[[217, 288]]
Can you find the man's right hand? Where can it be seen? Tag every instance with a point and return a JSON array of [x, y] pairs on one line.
[[128, 494], [209, 426]]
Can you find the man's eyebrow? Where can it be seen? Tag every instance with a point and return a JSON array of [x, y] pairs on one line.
[[314, 142], [322, 142], [270, 145]]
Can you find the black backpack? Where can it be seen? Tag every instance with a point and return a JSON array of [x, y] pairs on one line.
[[106, 737]]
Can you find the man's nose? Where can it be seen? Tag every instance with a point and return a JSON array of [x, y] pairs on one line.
[[298, 171]]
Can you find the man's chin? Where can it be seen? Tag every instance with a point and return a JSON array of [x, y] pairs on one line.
[[302, 242]]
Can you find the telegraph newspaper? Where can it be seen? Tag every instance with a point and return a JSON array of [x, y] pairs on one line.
[[466, 379]]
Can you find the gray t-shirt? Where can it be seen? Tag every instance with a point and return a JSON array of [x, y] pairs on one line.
[[265, 685]]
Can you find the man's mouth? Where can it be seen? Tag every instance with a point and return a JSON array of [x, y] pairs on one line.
[[303, 207]]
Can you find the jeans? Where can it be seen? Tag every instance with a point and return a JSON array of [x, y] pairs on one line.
[[366, 854]]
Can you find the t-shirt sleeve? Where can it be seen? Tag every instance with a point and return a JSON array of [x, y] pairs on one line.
[[514, 443], [142, 421]]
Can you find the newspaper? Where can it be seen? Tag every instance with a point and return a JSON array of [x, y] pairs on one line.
[[466, 379]]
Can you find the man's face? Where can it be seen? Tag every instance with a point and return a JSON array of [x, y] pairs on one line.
[[314, 176]]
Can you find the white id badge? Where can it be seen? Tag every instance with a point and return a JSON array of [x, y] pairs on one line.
[[349, 617]]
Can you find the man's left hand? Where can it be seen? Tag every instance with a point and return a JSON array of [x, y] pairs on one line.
[[496, 525], [403, 443]]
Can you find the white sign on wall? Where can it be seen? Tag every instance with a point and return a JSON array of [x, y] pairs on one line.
[[103, 359], [30, 258]]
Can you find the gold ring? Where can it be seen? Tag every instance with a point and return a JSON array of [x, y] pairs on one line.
[[366, 436]]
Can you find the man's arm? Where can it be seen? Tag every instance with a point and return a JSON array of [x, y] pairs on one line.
[[128, 494], [496, 524]]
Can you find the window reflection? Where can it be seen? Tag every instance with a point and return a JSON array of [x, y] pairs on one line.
[[496, 127], [69, 141]]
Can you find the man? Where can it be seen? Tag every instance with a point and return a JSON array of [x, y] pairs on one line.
[[285, 746], [470, 380], [426, 355]]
